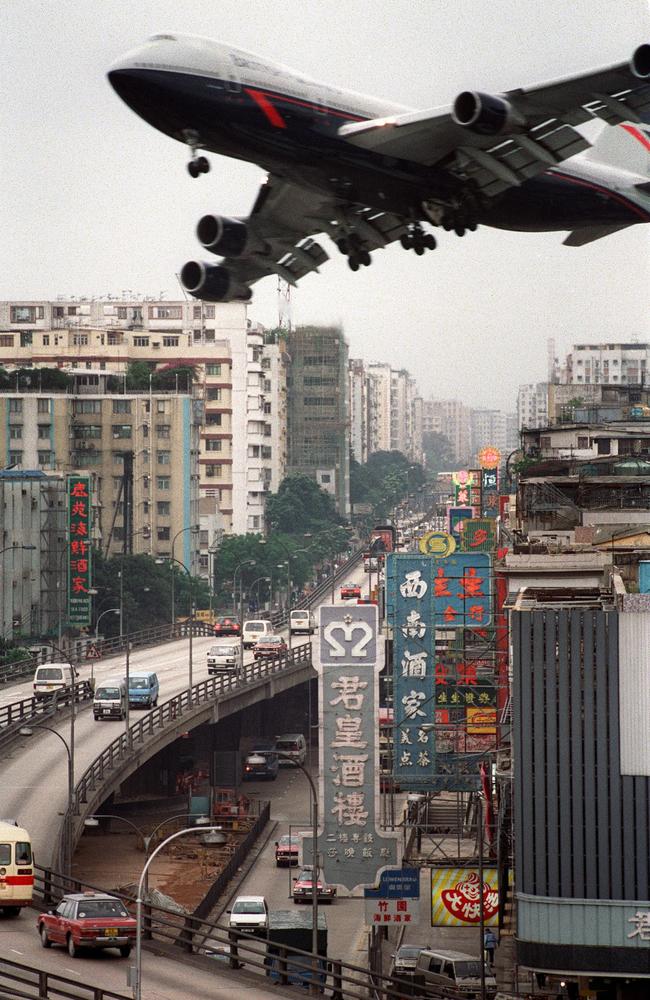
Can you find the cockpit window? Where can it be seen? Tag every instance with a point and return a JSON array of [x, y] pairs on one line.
[[163, 38]]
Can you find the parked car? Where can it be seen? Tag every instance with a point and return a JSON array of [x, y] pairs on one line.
[[286, 851], [291, 745], [269, 647], [350, 591], [88, 920], [254, 630], [303, 885], [405, 959], [227, 625], [224, 657], [249, 913]]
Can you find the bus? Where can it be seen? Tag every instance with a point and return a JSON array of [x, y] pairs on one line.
[[16, 868]]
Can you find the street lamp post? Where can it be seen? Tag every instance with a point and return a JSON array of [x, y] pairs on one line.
[[194, 528], [137, 985], [238, 567], [69, 749], [290, 556]]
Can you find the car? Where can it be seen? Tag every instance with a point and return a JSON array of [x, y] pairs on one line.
[[269, 647], [254, 630], [286, 851], [227, 625], [224, 657], [292, 748], [405, 959], [350, 591], [88, 920], [249, 913], [302, 888]]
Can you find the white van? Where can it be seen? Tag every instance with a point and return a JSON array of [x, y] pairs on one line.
[[302, 623], [110, 700], [224, 657], [293, 746], [255, 630], [456, 969], [50, 678]]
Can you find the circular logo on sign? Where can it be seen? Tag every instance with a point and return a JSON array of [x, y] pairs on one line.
[[489, 458], [438, 544]]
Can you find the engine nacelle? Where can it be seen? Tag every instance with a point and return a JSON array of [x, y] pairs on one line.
[[212, 282], [485, 114], [640, 62], [227, 237]]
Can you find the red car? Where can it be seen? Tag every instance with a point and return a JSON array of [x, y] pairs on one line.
[[350, 591], [302, 888], [286, 851], [227, 625], [88, 920], [269, 647]]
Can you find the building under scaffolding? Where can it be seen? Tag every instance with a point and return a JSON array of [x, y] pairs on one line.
[[318, 423]]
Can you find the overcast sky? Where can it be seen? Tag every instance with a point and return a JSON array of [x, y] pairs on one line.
[[93, 200]]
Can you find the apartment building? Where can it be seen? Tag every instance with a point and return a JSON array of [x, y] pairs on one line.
[[532, 405], [450, 417], [379, 407], [492, 427], [317, 409], [359, 415], [111, 334], [612, 363]]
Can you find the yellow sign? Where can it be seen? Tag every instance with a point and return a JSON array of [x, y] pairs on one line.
[[489, 458], [482, 721], [455, 897], [438, 544]]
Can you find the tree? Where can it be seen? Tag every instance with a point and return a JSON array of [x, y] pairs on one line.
[[137, 375], [300, 505], [439, 452]]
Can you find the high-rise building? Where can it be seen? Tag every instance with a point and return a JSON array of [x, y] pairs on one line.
[[450, 417], [379, 407], [532, 405], [358, 396], [318, 423], [612, 363]]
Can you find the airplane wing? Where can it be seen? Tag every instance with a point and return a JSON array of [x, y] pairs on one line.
[[501, 141], [283, 221]]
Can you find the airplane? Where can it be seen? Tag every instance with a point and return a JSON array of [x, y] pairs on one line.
[[367, 173]]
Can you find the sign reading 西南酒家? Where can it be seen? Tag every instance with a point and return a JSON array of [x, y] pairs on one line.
[[456, 895], [79, 551], [353, 847]]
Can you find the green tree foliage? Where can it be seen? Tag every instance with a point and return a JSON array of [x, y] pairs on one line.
[[439, 452], [137, 376], [300, 505], [171, 377], [383, 481], [22, 379]]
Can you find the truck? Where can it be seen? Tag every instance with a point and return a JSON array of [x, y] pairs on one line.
[[293, 929], [383, 538]]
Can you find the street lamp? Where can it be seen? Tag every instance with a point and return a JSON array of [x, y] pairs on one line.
[[69, 749], [194, 528], [256, 583], [290, 555], [246, 562], [137, 985], [259, 758], [109, 611], [191, 619]]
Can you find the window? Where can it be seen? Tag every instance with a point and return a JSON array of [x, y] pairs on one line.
[[267, 408], [26, 314], [213, 471], [196, 312], [583, 442], [122, 430], [44, 430], [163, 482], [90, 406], [145, 430], [43, 406], [164, 508], [80, 339], [603, 445], [118, 458], [26, 338], [170, 341], [88, 431], [267, 452], [213, 394], [6, 340], [140, 341], [165, 312], [145, 506], [59, 312], [46, 340], [545, 442], [253, 451], [121, 312], [112, 339], [161, 406], [163, 534], [213, 419], [15, 406], [163, 457], [15, 457], [15, 432], [208, 312], [163, 430], [213, 444], [203, 539], [72, 310], [45, 458], [213, 369]]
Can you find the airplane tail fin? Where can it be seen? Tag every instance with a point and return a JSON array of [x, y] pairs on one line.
[[626, 146]]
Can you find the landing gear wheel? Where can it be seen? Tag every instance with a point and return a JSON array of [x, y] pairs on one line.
[[343, 245], [472, 226], [459, 229], [45, 941], [192, 168], [419, 249], [353, 263], [202, 165], [406, 242], [430, 241], [72, 948], [364, 258]]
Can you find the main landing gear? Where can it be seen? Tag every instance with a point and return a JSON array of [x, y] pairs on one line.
[[459, 223], [418, 241], [352, 248], [198, 164]]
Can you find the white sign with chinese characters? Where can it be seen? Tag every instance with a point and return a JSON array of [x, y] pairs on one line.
[[353, 848], [392, 911]]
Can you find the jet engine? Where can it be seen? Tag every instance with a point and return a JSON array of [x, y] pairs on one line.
[[640, 63], [485, 114], [212, 282], [227, 237]]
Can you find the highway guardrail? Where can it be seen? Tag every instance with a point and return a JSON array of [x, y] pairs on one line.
[[23, 982], [32, 710]]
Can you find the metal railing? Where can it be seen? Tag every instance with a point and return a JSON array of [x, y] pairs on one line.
[[188, 933], [20, 713], [23, 981]]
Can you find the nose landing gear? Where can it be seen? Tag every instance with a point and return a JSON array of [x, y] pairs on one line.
[[198, 164]]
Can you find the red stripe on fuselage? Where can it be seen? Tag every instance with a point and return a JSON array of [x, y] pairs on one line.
[[321, 108], [638, 135], [263, 102], [614, 195]]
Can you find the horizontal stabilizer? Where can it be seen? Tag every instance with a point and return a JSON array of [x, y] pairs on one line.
[[579, 237]]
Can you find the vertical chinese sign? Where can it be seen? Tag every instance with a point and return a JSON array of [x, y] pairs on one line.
[[353, 848], [79, 535], [489, 459]]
